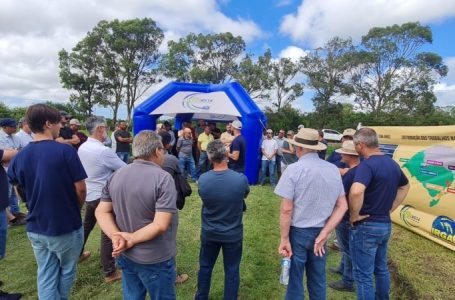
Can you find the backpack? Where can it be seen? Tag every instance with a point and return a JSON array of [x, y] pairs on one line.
[[183, 189]]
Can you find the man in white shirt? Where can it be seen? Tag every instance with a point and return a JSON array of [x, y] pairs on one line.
[[25, 133], [269, 149], [99, 163]]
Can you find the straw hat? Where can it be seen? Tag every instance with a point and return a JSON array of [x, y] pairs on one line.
[[308, 138], [349, 132], [348, 147]]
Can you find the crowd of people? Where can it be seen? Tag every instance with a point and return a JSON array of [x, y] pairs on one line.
[[55, 169]]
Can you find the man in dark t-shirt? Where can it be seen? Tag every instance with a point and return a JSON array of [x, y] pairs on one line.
[[238, 148], [123, 139], [53, 179], [379, 188], [222, 193]]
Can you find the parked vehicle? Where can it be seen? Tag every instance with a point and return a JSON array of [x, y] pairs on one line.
[[332, 135]]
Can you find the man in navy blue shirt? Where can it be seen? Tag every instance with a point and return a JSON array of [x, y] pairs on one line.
[[378, 189], [53, 179], [222, 192], [237, 149]]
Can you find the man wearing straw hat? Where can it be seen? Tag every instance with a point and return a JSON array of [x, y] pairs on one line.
[[313, 203], [350, 157]]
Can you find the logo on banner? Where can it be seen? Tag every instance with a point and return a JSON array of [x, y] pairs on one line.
[[444, 228], [197, 102], [408, 217]]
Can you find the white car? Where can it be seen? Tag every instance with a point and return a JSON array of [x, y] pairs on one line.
[[332, 135]]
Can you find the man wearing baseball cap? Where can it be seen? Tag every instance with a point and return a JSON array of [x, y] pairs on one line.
[[237, 149], [313, 203], [66, 135], [75, 125], [335, 157]]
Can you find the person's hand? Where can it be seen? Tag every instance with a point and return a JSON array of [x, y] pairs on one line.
[[121, 241], [285, 248], [357, 218], [319, 244]]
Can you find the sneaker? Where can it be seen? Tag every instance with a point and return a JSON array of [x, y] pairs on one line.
[[181, 278], [335, 271], [341, 286], [17, 222], [113, 277], [84, 256], [8, 296]]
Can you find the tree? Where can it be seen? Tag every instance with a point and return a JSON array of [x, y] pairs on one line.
[[285, 89], [80, 71], [254, 76], [202, 58], [131, 56], [326, 71], [390, 74], [287, 118]]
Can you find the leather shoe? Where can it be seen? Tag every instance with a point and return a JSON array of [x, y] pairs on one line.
[[181, 278], [84, 256], [341, 286], [113, 277]]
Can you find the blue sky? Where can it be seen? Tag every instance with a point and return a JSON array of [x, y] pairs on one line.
[[29, 42]]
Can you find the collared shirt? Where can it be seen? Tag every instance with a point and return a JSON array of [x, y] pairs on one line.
[[314, 186], [99, 162], [269, 146], [24, 137], [137, 192], [205, 139], [8, 141]]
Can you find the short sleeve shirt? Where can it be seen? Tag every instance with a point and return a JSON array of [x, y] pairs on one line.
[[238, 144], [205, 139], [269, 146], [135, 202], [314, 186], [185, 147], [46, 171], [381, 176], [122, 146]]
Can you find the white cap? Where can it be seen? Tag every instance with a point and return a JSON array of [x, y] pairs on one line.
[[237, 124]]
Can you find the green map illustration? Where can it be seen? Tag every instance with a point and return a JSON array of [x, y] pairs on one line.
[[432, 169]]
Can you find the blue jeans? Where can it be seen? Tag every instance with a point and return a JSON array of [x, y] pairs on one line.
[[57, 258], [342, 231], [268, 164], [203, 164], [186, 163], [368, 242], [232, 255], [3, 232], [156, 279], [278, 160], [124, 156], [302, 243], [13, 201]]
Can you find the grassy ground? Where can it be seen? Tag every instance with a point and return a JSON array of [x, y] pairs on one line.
[[422, 269]]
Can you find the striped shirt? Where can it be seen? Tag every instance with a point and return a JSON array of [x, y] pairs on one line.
[[314, 186]]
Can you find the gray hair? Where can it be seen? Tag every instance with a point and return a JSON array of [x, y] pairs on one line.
[[216, 151], [145, 144], [367, 136], [93, 122]]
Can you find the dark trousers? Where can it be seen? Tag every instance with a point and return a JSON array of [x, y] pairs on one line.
[[107, 261], [232, 255]]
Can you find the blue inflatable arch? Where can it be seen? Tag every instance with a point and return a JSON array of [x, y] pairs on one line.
[[212, 102]]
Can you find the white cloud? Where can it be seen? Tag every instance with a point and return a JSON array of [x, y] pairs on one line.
[[32, 33], [316, 21], [292, 52]]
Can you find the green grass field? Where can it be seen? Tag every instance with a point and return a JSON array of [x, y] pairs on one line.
[[421, 268]]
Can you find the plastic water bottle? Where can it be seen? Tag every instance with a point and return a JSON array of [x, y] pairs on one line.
[[285, 266]]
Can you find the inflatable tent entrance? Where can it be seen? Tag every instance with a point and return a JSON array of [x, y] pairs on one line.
[[211, 102]]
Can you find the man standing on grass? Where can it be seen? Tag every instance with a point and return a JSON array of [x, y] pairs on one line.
[[99, 162], [350, 157], [237, 149], [202, 142], [52, 177], [269, 149], [379, 187], [123, 140], [221, 218], [313, 203], [138, 212]]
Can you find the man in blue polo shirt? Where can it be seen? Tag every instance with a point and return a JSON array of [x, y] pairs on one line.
[[52, 177], [379, 187]]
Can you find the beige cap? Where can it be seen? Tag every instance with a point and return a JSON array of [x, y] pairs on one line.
[[349, 132]]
